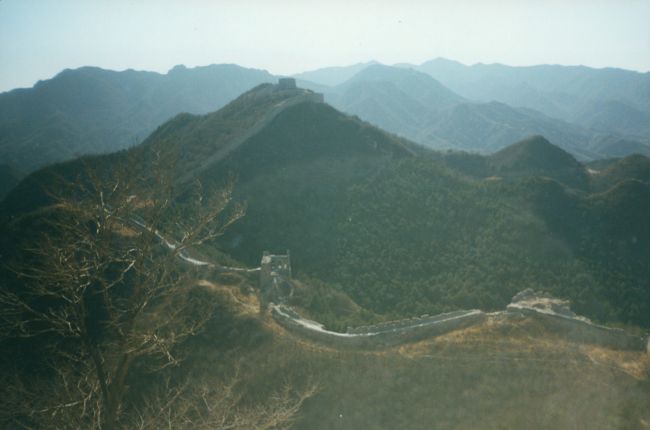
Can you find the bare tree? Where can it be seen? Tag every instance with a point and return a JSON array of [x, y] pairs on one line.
[[219, 406], [100, 277]]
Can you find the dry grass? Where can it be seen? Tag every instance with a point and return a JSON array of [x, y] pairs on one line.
[[635, 364], [504, 373], [125, 231], [247, 304]]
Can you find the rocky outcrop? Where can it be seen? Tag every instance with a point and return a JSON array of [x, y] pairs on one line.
[[558, 317]]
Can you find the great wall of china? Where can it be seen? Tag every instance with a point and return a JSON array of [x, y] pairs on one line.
[[554, 313], [294, 96], [276, 286], [275, 275], [415, 329], [381, 335], [275, 272]]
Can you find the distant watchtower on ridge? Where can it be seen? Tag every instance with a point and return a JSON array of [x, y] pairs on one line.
[[275, 279], [287, 83], [287, 86]]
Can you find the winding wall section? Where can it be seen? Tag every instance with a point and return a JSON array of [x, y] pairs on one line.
[[388, 334]]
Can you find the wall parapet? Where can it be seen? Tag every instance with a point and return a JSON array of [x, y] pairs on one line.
[[387, 335], [586, 332], [405, 323], [558, 317], [414, 329]]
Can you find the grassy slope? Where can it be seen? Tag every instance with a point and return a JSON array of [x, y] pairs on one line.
[[503, 374]]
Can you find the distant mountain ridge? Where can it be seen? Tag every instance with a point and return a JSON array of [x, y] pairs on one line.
[[91, 110], [332, 76], [577, 81], [418, 107], [589, 97], [399, 229], [399, 101]]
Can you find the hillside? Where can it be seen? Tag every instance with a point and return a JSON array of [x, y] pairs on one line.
[[536, 156], [478, 380], [401, 101], [611, 146], [613, 100], [379, 229], [9, 178], [508, 372], [416, 85], [631, 167], [489, 127], [401, 230], [412, 104], [91, 110], [464, 377], [397, 226]]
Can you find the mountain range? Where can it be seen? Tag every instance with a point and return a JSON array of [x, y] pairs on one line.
[[573, 93], [412, 103], [442, 104], [397, 227], [91, 110], [609, 100], [379, 228]]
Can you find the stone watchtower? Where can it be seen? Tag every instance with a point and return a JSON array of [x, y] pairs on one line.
[[275, 279], [287, 83]]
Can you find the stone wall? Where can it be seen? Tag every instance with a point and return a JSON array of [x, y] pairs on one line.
[[387, 335], [414, 329], [275, 279], [301, 96], [399, 324], [584, 332], [287, 83], [558, 317]]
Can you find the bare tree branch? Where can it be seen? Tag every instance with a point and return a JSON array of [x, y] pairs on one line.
[[110, 287]]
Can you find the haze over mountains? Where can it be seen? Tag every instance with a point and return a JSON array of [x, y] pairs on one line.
[[595, 124], [379, 228], [572, 93], [442, 104], [91, 110], [397, 220]]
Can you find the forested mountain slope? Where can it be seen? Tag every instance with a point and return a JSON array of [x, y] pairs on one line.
[[90, 110], [403, 230], [9, 178], [379, 229]]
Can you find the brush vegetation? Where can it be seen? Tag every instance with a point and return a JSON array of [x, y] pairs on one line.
[[380, 228]]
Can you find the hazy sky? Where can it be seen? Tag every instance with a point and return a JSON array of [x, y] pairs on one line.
[[39, 38]]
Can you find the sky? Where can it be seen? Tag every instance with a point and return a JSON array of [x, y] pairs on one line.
[[39, 38]]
